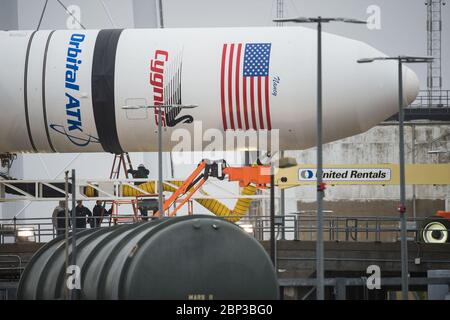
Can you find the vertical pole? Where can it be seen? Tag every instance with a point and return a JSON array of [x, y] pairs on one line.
[[413, 149], [247, 158], [66, 231], [280, 12], [283, 208], [15, 229], [73, 260], [402, 206], [160, 182], [319, 244], [273, 255], [66, 226], [160, 14]]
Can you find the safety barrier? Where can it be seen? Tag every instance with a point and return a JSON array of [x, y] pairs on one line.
[[295, 226]]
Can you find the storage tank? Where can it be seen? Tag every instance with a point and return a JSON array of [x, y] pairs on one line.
[[176, 258]]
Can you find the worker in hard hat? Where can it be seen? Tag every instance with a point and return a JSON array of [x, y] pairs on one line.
[[141, 173]]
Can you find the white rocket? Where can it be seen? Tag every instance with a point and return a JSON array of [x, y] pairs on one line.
[[64, 90]]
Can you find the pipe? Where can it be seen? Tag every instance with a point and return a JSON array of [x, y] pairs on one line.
[[215, 206]]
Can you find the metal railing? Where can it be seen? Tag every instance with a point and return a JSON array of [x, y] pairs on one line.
[[340, 285], [432, 99], [97, 189], [11, 263], [43, 229], [302, 226], [294, 226]]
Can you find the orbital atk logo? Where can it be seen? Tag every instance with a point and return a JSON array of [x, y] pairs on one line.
[[74, 128]]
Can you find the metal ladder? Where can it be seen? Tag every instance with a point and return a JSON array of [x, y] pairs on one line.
[[118, 163]]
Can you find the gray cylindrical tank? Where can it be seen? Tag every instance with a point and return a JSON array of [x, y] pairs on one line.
[[177, 258]]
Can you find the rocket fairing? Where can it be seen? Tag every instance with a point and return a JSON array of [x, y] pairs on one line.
[[64, 90]]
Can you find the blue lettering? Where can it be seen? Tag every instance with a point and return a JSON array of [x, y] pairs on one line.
[[72, 86], [77, 37], [73, 110], [71, 76], [73, 52], [72, 103], [74, 125], [74, 114]]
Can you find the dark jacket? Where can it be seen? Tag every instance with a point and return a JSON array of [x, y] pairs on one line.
[[61, 222], [82, 214], [98, 212], [140, 173]]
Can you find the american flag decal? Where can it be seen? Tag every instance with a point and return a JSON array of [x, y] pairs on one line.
[[244, 86]]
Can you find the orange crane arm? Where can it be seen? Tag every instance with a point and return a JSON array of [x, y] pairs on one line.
[[258, 175], [195, 177]]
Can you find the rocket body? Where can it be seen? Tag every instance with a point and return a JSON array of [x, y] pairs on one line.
[[64, 90]]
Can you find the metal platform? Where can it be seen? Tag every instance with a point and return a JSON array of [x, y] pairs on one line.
[[102, 189], [346, 266], [297, 258], [429, 105]]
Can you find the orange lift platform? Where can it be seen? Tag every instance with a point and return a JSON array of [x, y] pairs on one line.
[[259, 175]]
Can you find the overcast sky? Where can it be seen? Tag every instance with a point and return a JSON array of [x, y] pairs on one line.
[[403, 22], [402, 30]]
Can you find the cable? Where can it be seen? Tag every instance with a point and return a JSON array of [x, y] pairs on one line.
[[108, 13], [42, 15], [70, 13]]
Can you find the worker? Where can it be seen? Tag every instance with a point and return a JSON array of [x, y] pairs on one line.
[[141, 173], [58, 218], [109, 213], [82, 215], [144, 212], [98, 212]]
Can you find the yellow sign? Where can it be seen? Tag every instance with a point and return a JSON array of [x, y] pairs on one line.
[[377, 174]]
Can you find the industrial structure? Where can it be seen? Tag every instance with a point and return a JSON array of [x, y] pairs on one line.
[[365, 216]]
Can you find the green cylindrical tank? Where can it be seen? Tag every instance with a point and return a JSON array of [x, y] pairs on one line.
[[188, 257]]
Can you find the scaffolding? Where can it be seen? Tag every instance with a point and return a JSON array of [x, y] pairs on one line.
[[434, 33], [280, 12], [434, 102]]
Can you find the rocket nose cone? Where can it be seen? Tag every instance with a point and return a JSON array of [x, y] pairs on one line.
[[411, 85]]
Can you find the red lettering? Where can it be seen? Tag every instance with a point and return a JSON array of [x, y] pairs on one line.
[[162, 53], [158, 95], [157, 66], [157, 81]]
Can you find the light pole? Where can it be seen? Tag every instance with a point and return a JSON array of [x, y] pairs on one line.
[[401, 116], [160, 178], [320, 185], [73, 260], [283, 163]]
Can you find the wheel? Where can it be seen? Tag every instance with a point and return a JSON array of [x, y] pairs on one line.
[[435, 230]]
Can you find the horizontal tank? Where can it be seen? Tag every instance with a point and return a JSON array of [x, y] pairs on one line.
[[65, 90], [175, 258]]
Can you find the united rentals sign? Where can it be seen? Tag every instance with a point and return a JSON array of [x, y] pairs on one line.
[[364, 174], [346, 174]]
